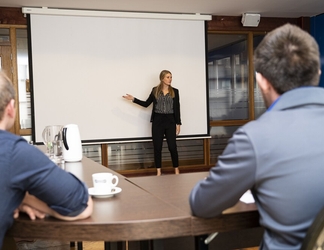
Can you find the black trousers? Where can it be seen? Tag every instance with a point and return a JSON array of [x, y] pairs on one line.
[[164, 125]]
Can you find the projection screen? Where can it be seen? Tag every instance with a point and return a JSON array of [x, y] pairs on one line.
[[82, 66]]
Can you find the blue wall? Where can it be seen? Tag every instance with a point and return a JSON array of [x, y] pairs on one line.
[[317, 31]]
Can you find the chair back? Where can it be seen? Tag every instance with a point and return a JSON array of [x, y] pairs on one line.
[[314, 239]]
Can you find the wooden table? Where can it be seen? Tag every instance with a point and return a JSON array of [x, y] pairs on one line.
[[133, 214], [175, 190], [147, 208]]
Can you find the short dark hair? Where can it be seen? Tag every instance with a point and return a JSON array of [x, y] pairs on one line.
[[288, 57], [7, 93]]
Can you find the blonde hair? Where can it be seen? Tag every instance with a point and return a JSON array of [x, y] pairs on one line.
[[7, 92], [158, 88]]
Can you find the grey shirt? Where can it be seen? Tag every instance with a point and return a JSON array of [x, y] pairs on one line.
[[164, 104]]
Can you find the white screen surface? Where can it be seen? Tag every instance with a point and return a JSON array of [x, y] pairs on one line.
[[81, 67]]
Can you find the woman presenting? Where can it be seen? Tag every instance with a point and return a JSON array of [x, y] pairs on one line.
[[165, 118]]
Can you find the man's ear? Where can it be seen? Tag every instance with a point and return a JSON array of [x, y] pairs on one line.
[[262, 82], [268, 92], [11, 108]]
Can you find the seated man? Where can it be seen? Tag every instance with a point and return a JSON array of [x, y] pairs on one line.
[[279, 156], [29, 180]]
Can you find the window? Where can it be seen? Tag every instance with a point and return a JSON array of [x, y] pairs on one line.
[[23, 79], [231, 82], [228, 77]]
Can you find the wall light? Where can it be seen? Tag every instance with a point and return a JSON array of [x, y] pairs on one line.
[[251, 20]]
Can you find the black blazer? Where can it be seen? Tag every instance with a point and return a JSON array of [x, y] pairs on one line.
[[151, 98]]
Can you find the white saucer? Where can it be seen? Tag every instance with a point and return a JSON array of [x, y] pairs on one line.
[[93, 192]]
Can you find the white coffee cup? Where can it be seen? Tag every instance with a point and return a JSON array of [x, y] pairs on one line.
[[104, 181]]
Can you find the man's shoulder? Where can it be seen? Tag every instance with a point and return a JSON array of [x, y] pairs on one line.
[[258, 127], [6, 136]]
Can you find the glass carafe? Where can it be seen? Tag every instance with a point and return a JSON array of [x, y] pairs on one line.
[[52, 138]]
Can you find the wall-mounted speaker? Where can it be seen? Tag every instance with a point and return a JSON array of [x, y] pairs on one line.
[[250, 20]]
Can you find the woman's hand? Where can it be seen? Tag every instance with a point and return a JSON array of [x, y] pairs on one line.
[[128, 97], [178, 129]]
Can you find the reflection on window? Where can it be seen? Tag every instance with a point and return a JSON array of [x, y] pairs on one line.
[[140, 155], [4, 36], [4, 40], [228, 77], [219, 140], [92, 152], [23, 79], [259, 107]]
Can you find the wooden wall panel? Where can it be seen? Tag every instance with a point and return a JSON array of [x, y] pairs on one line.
[[218, 23], [233, 23], [12, 16]]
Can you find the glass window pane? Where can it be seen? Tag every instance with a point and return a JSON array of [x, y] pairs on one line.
[[23, 79], [4, 36], [191, 152], [140, 155], [127, 156], [218, 142], [92, 152], [228, 77], [259, 107]]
